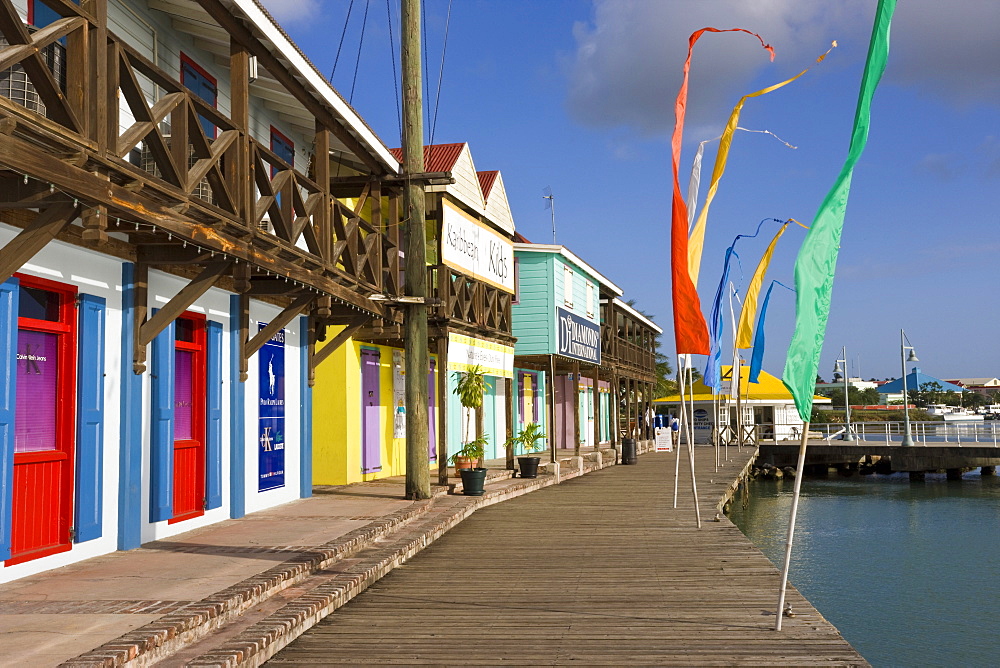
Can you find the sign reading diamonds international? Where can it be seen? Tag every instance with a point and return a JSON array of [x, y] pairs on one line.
[[476, 251], [578, 337]]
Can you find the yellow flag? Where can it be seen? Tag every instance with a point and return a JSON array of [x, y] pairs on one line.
[[696, 241], [744, 335]]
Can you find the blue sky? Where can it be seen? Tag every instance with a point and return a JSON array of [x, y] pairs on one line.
[[578, 95]]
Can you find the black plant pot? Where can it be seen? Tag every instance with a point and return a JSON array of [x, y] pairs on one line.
[[528, 466], [473, 481]]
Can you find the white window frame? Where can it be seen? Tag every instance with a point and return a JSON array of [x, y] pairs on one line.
[[590, 300], [567, 286]]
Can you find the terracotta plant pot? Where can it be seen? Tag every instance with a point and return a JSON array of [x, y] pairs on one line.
[[465, 463]]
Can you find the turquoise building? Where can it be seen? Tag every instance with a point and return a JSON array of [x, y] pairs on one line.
[[556, 318]]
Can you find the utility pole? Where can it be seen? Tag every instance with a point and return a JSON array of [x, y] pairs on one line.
[[418, 484]]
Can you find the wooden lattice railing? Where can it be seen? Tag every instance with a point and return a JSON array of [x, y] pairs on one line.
[[223, 177], [468, 300]]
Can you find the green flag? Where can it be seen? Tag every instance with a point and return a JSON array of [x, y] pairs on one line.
[[817, 259]]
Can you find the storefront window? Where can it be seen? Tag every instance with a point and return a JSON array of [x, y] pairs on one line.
[[37, 376], [38, 304], [183, 394]]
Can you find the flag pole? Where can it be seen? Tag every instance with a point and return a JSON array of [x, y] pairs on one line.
[[690, 440], [681, 359], [791, 526]]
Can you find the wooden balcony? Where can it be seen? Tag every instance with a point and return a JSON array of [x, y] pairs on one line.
[[163, 188]]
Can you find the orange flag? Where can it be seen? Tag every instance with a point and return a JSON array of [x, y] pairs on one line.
[[690, 329]]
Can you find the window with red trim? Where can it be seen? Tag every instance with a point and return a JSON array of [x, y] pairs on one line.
[[197, 80]]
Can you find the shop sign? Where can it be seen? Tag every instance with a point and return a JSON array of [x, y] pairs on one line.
[[664, 439], [475, 250], [271, 412], [577, 337], [465, 352]]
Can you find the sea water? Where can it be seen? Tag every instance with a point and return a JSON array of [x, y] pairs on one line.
[[909, 572]]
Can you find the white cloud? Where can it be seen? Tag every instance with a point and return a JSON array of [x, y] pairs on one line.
[[291, 11], [627, 66]]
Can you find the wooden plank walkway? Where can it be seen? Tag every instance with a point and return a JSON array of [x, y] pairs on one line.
[[600, 570]]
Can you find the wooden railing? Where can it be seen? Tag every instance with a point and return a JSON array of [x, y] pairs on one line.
[[223, 179], [469, 300]]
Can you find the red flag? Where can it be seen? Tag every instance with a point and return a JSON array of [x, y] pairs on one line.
[[690, 329]]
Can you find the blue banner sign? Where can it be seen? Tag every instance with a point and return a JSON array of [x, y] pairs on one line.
[[271, 412], [578, 337]]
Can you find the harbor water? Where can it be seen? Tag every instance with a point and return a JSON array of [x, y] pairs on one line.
[[908, 572]]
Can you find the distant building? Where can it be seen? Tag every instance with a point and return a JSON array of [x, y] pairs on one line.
[[988, 387], [915, 380]]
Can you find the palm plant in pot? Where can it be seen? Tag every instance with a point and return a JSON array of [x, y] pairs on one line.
[[471, 389], [529, 439]]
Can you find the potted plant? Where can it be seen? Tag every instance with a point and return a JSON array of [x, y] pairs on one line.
[[471, 388], [473, 475], [529, 440]]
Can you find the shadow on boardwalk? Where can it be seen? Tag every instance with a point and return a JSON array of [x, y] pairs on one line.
[[600, 570]]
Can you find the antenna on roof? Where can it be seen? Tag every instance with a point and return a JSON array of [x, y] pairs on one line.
[[550, 203]]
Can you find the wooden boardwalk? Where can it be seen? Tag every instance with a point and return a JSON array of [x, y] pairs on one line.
[[600, 570]]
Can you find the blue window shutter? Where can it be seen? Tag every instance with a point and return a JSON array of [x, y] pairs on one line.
[[8, 379], [213, 423], [306, 414], [161, 455], [237, 409], [89, 418]]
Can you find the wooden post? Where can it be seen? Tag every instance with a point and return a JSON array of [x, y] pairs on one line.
[[576, 409], [550, 400], [508, 385], [417, 474], [443, 396], [321, 219], [597, 408], [240, 176]]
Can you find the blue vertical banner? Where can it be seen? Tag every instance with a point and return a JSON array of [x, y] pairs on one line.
[[271, 412]]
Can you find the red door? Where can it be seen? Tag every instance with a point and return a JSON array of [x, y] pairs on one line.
[[43, 423], [189, 417]]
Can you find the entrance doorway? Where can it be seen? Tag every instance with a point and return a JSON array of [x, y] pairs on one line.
[[44, 420], [189, 417]]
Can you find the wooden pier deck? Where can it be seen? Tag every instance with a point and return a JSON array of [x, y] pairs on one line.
[[600, 570]]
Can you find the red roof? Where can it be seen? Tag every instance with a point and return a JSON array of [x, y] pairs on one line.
[[486, 181], [519, 238], [437, 158]]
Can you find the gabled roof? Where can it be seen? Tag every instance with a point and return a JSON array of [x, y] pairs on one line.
[[567, 254], [914, 380], [437, 157], [495, 195], [770, 388], [486, 180]]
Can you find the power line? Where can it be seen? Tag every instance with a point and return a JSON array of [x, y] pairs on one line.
[[395, 80], [342, 35], [444, 49], [361, 42]]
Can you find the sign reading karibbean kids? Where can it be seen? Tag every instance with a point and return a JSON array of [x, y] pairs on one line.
[[271, 412]]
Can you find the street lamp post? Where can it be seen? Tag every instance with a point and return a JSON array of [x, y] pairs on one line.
[[848, 436], [907, 439]]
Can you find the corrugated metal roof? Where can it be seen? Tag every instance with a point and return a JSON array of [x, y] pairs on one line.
[[437, 158], [486, 181]]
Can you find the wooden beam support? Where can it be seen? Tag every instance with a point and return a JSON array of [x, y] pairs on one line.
[[47, 224], [24, 158], [180, 302], [276, 324], [339, 340]]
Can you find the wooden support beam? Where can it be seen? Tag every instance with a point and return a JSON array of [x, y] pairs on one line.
[[277, 324], [141, 307], [180, 302], [339, 340], [95, 224], [576, 409], [24, 158], [47, 224], [243, 327], [272, 286]]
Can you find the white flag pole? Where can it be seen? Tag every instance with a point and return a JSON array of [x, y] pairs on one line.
[[791, 525], [681, 359]]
